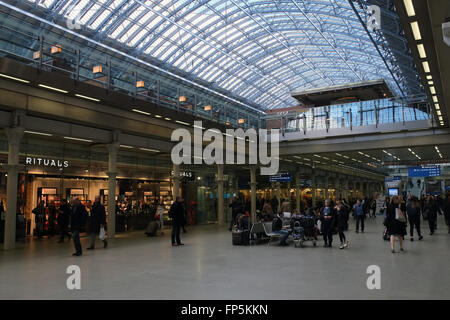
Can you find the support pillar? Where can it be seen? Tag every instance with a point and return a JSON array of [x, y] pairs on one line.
[[113, 148], [220, 199], [14, 137], [253, 193], [297, 191], [176, 181], [278, 195], [313, 189], [327, 181]]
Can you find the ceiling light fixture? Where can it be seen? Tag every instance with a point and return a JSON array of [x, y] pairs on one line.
[[416, 31]]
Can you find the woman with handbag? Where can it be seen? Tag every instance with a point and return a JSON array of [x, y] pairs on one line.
[[395, 223], [430, 211]]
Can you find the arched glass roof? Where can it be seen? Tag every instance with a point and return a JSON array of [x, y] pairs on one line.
[[257, 49]]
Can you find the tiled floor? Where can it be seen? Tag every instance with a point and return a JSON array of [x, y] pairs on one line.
[[209, 267]]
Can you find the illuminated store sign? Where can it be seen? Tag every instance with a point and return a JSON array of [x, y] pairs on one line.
[[46, 162]]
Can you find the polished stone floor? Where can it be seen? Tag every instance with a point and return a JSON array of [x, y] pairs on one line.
[[209, 267]]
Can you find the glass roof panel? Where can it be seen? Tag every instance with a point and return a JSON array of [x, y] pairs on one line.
[[260, 50]]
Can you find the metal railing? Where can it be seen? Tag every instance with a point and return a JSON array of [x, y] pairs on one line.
[[115, 74], [351, 115]]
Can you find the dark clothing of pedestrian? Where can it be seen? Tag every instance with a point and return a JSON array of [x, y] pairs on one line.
[[327, 217], [430, 211], [413, 214], [63, 220], [236, 208], [98, 219], [177, 213], [78, 220], [394, 226]]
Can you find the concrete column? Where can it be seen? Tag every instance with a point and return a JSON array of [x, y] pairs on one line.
[[253, 193], [113, 148], [14, 137], [176, 181], [313, 189], [220, 200], [297, 191], [278, 195]]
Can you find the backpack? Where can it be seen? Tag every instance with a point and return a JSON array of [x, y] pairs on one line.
[[277, 224]]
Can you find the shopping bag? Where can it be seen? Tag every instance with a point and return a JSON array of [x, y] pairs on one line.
[[102, 235], [400, 215]]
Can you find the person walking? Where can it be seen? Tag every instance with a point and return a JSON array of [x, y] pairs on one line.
[[77, 221], [51, 219], [63, 220], [176, 213], [413, 213], [359, 214], [98, 221], [430, 211], [236, 208], [39, 219], [446, 210], [327, 217], [341, 222], [395, 227], [2, 218]]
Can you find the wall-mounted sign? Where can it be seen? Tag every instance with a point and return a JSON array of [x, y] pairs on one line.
[[44, 162], [280, 177], [433, 171], [188, 175]]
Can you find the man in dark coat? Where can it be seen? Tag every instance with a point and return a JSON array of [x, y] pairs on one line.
[[98, 221], [236, 208], [78, 220], [63, 220], [327, 216], [176, 213]]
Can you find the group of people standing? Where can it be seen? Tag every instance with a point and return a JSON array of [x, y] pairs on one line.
[[75, 215], [331, 218]]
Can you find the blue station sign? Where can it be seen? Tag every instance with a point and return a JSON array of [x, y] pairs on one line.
[[434, 171], [280, 177]]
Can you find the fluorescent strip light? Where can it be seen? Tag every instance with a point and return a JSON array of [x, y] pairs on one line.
[[140, 111], [435, 99], [432, 90], [52, 88], [181, 122], [78, 139], [158, 116], [416, 31], [39, 133], [168, 119], [86, 97], [125, 146], [430, 83], [151, 150], [426, 66], [199, 127], [438, 113], [13, 78], [421, 50], [436, 105], [409, 8], [429, 77]]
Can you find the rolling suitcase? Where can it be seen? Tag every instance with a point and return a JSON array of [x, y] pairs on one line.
[[241, 237], [151, 229]]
